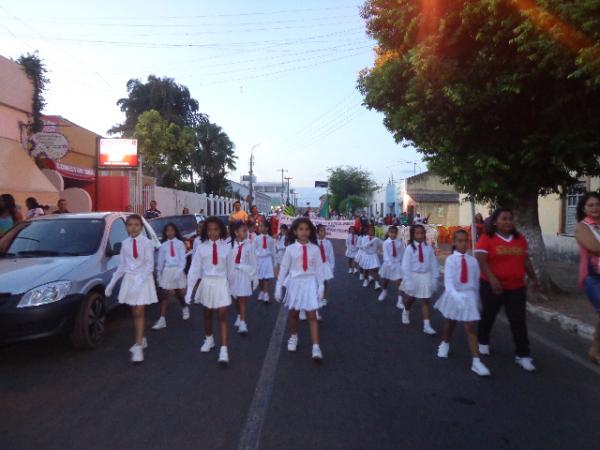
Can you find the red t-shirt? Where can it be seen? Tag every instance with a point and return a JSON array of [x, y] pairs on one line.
[[506, 259]]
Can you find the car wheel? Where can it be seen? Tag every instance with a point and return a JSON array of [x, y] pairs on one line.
[[88, 331]]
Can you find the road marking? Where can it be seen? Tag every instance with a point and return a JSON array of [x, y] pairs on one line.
[[250, 438]]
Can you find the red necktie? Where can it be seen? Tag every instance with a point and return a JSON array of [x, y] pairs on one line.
[[421, 257], [304, 258], [394, 252], [172, 250], [322, 248], [464, 271], [238, 257], [370, 237], [353, 240], [265, 241], [135, 252], [215, 254]]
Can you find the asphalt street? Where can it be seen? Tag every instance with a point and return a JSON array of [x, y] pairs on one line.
[[380, 386]]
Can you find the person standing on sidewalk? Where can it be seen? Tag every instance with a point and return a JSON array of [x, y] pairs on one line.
[[587, 234], [504, 263]]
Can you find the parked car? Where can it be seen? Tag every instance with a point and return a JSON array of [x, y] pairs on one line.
[[53, 272], [187, 225]]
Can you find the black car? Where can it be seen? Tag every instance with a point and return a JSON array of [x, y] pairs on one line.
[[186, 224]]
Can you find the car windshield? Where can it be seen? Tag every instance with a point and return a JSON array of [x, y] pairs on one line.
[[52, 237]]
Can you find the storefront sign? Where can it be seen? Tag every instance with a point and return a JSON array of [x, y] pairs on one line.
[[117, 153], [49, 144], [77, 173]]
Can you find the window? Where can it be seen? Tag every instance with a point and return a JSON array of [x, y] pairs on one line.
[[118, 233], [573, 196]]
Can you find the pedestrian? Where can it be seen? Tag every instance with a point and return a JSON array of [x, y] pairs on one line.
[[152, 212], [242, 272], [391, 269], [238, 214], [358, 260], [264, 248], [351, 250], [62, 207], [185, 211], [370, 259], [479, 226], [33, 208], [301, 274], [280, 244], [504, 263], [170, 271], [328, 259], [420, 271], [211, 262], [460, 300], [587, 233], [9, 215], [136, 266]]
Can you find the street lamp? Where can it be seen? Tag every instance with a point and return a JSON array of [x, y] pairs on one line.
[[251, 181]]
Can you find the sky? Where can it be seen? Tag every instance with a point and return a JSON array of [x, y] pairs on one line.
[[279, 76]]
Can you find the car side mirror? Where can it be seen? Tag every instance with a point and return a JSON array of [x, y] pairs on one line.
[[114, 250]]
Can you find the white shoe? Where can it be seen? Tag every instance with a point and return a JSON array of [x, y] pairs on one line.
[[237, 321], [443, 350], [428, 330], [382, 295], [260, 295], [525, 362], [223, 355], [266, 298], [243, 328], [317, 354], [405, 317], [302, 314], [484, 349], [137, 354], [350, 271], [185, 313], [355, 270], [366, 283], [361, 277], [479, 368], [324, 302], [400, 303], [293, 343], [160, 324], [144, 343], [208, 345], [377, 285], [319, 316]]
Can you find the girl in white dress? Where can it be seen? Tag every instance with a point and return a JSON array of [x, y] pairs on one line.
[[280, 246], [460, 300], [420, 271], [301, 272], [391, 269], [370, 259], [327, 257], [170, 271], [242, 272], [264, 249], [351, 250], [359, 254], [210, 265], [136, 267]]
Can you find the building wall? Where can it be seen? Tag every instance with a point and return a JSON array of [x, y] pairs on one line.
[[9, 122], [82, 144], [445, 214], [427, 182], [16, 89], [464, 211]]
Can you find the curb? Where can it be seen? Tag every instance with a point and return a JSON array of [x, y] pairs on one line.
[[569, 324]]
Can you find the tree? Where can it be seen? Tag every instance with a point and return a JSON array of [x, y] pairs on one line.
[[172, 101], [35, 69], [349, 183], [213, 157], [352, 203], [501, 97]]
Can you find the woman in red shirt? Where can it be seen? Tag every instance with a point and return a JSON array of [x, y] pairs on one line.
[[504, 263]]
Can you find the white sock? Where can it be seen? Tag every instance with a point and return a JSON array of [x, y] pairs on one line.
[[476, 360], [426, 323], [316, 346], [223, 347]]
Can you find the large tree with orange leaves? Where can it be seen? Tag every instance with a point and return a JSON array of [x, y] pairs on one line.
[[502, 97]]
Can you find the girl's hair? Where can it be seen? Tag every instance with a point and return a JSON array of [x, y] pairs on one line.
[[33, 202], [491, 226], [177, 233], [291, 236], [393, 228], [455, 235], [134, 217], [478, 218], [220, 224], [320, 227], [10, 205], [411, 239], [233, 229], [351, 229], [580, 213], [263, 223]]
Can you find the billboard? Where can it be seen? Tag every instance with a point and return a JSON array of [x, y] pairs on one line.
[[117, 153], [321, 184]]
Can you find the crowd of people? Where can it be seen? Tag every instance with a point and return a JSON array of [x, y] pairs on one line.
[[11, 213]]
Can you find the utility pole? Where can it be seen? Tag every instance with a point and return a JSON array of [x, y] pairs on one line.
[[251, 173], [282, 185], [288, 188]]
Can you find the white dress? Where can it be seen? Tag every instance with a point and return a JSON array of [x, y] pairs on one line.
[[279, 249], [264, 249], [170, 266], [242, 274], [460, 301], [213, 291], [391, 269], [419, 277], [352, 246], [137, 287], [304, 288], [327, 257], [369, 246]]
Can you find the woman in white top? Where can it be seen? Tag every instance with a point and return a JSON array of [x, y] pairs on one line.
[[391, 269], [33, 208], [327, 257], [301, 273], [136, 266], [370, 246], [420, 271], [351, 250], [264, 248], [242, 272], [210, 264], [170, 273], [460, 300]]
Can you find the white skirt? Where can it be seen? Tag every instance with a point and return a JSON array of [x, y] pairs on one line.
[[172, 278], [391, 271], [302, 292], [461, 306], [240, 284], [279, 257], [418, 285], [264, 268], [130, 294], [358, 258], [369, 262], [326, 272], [351, 253], [213, 293]]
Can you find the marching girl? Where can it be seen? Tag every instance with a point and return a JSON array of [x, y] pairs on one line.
[[327, 257], [170, 272], [301, 272], [351, 250], [280, 245], [264, 249], [460, 300], [210, 262], [136, 267], [391, 269], [359, 255], [370, 259], [420, 271], [242, 272]]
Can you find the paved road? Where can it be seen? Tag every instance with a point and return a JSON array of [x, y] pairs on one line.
[[380, 386]]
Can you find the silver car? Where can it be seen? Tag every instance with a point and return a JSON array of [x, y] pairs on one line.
[[53, 271]]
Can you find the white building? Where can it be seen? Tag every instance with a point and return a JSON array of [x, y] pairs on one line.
[[261, 200], [273, 189]]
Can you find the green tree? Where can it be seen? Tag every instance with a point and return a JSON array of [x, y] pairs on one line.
[[352, 203], [501, 97], [35, 69], [348, 185]]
